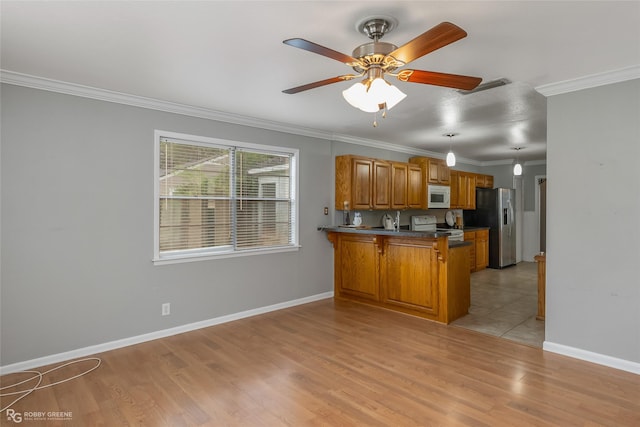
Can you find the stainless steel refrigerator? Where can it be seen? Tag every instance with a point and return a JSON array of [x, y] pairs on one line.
[[495, 208]]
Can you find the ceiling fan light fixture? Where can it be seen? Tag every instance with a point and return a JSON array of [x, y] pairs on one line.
[[369, 97]]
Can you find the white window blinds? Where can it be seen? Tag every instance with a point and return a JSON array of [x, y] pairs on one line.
[[214, 198]]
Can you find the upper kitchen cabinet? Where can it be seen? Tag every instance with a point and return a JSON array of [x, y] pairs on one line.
[[354, 183], [484, 181], [399, 187], [416, 189], [381, 185], [435, 171], [362, 183], [463, 190]]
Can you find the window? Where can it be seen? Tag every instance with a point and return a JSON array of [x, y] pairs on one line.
[[217, 198]]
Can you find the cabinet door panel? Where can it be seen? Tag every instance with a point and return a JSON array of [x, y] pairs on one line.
[[444, 174], [382, 185], [433, 171], [410, 277], [470, 236], [415, 190], [358, 272], [399, 188], [362, 184], [482, 249]]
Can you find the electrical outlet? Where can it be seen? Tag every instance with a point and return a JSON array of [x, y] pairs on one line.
[[166, 309], [326, 210]]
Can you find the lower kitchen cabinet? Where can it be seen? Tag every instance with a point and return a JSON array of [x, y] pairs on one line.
[[414, 275], [470, 236], [356, 270], [479, 254], [409, 271], [482, 249]]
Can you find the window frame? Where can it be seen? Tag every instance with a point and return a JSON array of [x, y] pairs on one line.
[[189, 255]]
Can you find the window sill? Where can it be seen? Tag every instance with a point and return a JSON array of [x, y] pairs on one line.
[[177, 259]]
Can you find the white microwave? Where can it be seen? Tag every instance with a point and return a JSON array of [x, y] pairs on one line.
[[438, 196]]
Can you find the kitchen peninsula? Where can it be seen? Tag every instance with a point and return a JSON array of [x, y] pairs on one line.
[[418, 273]]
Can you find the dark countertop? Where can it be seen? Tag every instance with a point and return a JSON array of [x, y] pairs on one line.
[[404, 232]]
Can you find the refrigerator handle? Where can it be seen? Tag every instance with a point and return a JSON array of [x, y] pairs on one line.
[[510, 214]]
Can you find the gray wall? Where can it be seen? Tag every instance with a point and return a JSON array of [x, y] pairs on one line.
[[77, 228], [77, 233], [593, 220]]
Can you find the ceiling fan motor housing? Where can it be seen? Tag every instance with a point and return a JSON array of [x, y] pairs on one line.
[[373, 55]]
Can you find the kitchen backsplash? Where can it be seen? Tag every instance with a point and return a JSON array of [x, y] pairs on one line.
[[374, 218]]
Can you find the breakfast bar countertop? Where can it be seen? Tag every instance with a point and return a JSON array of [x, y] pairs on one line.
[[403, 232]]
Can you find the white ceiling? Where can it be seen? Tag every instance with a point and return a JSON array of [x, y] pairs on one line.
[[228, 56]]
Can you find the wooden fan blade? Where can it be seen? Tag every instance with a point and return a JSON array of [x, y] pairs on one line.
[[321, 50], [433, 39], [319, 83], [439, 79]]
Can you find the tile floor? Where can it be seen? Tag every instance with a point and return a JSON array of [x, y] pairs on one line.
[[504, 303]]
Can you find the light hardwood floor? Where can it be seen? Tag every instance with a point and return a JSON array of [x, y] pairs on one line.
[[340, 364]]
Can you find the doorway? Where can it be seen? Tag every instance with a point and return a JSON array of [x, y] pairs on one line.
[[504, 302]]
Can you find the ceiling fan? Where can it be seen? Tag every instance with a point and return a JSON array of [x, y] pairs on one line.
[[375, 60]]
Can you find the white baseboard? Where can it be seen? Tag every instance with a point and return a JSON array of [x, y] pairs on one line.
[[589, 356], [112, 345]]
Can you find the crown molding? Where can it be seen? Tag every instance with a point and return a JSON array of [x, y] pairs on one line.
[[35, 82], [591, 81]]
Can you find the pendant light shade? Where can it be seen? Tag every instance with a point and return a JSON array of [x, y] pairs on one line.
[[517, 169], [451, 159]]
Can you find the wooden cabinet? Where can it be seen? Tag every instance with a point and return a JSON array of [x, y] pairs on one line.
[[354, 183], [470, 236], [463, 190], [356, 266], [435, 171], [381, 185], [482, 249], [471, 192], [541, 259], [414, 275], [438, 171], [416, 190], [410, 274], [484, 181], [399, 185], [479, 253], [362, 183]]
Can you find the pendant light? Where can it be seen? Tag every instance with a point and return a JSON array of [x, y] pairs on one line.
[[451, 158], [517, 169]]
